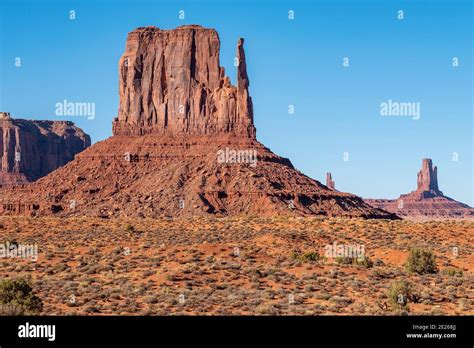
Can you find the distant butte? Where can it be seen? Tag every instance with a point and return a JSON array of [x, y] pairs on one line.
[[427, 200], [31, 149], [184, 144]]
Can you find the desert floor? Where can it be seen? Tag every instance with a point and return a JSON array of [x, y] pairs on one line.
[[235, 266]]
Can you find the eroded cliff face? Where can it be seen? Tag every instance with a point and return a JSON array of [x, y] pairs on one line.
[[170, 81], [32, 149]]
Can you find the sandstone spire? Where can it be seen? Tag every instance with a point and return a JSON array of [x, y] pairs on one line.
[[428, 177], [244, 101], [170, 81], [329, 182]]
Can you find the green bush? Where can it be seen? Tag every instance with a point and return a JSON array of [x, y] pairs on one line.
[[16, 296], [344, 260], [363, 261], [129, 228], [453, 271], [421, 261], [305, 257], [399, 293]]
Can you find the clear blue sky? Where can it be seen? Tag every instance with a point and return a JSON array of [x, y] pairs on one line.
[[296, 62]]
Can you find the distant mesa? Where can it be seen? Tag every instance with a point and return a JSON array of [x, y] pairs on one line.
[[31, 149], [427, 200], [177, 112]]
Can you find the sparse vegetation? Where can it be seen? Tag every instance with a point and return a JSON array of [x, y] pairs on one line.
[[344, 260], [399, 294], [364, 261], [421, 261], [17, 298], [453, 271], [85, 270], [305, 257], [359, 261]]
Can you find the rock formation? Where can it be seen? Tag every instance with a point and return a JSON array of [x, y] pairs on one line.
[[32, 149], [427, 200], [427, 183], [330, 182], [170, 81], [183, 145]]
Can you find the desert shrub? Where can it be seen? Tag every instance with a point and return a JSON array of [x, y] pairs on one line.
[[10, 310], [421, 261], [151, 299], [148, 273], [359, 261], [364, 262], [16, 295], [453, 271], [399, 293], [265, 310], [341, 300], [344, 260], [305, 257]]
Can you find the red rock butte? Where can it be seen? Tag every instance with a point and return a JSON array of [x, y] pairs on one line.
[[30, 149], [171, 82], [183, 144], [427, 200]]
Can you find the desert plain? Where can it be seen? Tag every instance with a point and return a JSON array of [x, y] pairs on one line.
[[243, 265]]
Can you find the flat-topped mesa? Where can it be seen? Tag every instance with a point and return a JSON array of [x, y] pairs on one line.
[[330, 182], [30, 149], [170, 81], [428, 179]]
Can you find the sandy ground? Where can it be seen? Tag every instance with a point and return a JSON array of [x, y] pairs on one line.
[[237, 266]]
